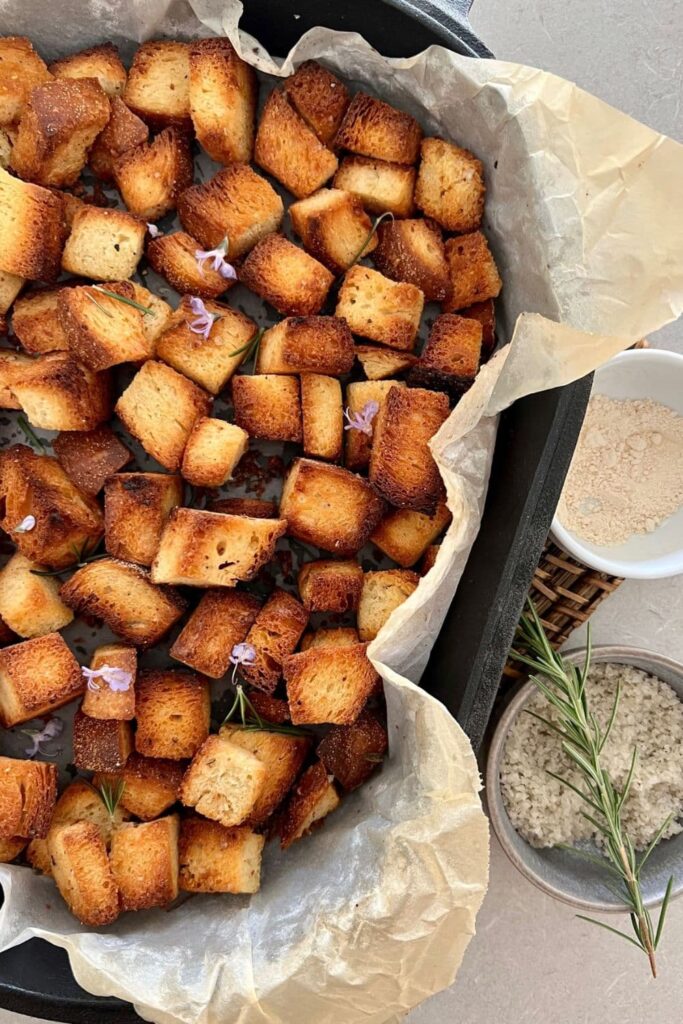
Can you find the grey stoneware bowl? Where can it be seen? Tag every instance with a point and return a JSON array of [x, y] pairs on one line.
[[559, 873]]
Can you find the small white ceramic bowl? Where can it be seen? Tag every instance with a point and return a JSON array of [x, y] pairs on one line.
[[638, 373]]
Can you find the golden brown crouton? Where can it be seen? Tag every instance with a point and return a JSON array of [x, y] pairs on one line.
[[381, 187], [362, 397], [474, 275], [100, 744], [174, 257], [237, 204], [58, 393], [413, 251], [334, 228], [343, 636], [149, 784], [11, 848], [208, 549], [311, 801], [157, 315], [221, 619], [223, 95], [352, 752], [173, 710], [32, 228], [450, 359], [102, 700], [151, 176], [224, 782], [80, 866], [485, 314], [287, 148], [382, 593], [218, 859], [158, 86], [329, 507], [159, 408], [136, 507], [101, 62], [380, 309], [282, 755], [322, 416], [256, 508], [124, 597], [405, 535], [104, 244], [10, 286], [21, 70], [30, 604], [268, 406], [124, 131], [402, 468], [28, 790], [380, 363], [269, 708], [213, 450], [373, 128], [307, 344], [88, 457], [13, 365], [328, 586], [319, 97], [144, 863], [328, 684], [286, 276], [275, 633], [450, 185], [36, 322], [103, 331]]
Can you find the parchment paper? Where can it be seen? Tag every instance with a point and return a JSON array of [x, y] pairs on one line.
[[373, 915]]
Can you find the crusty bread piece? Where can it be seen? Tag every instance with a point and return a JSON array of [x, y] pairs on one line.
[[104, 244], [88, 457], [286, 276], [150, 785], [80, 866], [101, 62], [269, 708], [102, 701], [10, 286], [307, 344], [450, 185], [101, 330], [287, 148], [402, 468], [158, 86], [173, 710], [124, 130], [218, 859], [381, 187], [451, 356], [313, 798], [405, 535], [342, 636], [151, 176], [144, 863], [28, 790], [12, 365], [136, 507], [352, 752], [268, 406], [328, 684], [413, 251], [380, 363], [374, 128], [358, 444], [224, 782], [485, 314], [36, 322], [159, 408], [329, 507], [282, 755], [383, 592], [100, 744], [208, 549], [380, 309], [30, 604], [328, 586], [174, 257], [322, 416], [334, 228], [473, 271], [57, 392], [158, 317], [319, 97], [21, 70], [11, 848], [33, 229], [221, 619], [124, 597], [213, 450], [256, 508], [223, 95], [72, 205], [274, 634]]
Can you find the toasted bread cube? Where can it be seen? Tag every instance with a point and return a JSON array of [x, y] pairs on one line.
[[286, 277], [101, 62], [405, 535], [287, 148], [381, 187], [174, 257], [28, 790], [80, 866], [275, 633], [450, 185], [307, 344], [282, 755], [269, 708], [358, 396], [124, 131], [268, 406], [485, 314], [373, 128], [474, 275], [151, 176], [209, 362], [322, 416], [10, 286], [11, 848], [173, 710], [224, 782], [311, 801], [413, 251], [380, 363], [103, 701], [334, 228], [328, 586], [66, 519], [100, 744], [329, 507], [159, 408], [213, 450], [380, 309], [124, 597], [220, 621], [218, 859], [103, 331], [36, 322], [13, 365], [136, 507], [150, 785], [256, 508], [223, 95], [319, 97], [21, 70], [89, 457], [58, 393], [144, 863], [158, 316], [328, 684], [237, 204], [352, 752], [402, 468], [32, 228], [344, 636], [382, 593], [58, 125], [158, 86], [450, 359], [104, 244], [29, 604]]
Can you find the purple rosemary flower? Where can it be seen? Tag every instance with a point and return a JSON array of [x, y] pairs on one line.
[[219, 262], [242, 654], [27, 524], [362, 420], [51, 731], [205, 320], [117, 679], [153, 230]]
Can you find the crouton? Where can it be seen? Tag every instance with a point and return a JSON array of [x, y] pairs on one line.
[[450, 359], [275, 633], [136, 507], [485, 314], [158, 86], [124, 597], [158, 313], [373, 128], [361, 397], [89, 457], [405, 535], [383, 592], [173, 710], [102, 700], [213, 450], [208, 549], [12, 365], [32, 228], [307, 344], [103, 331], [218, 859], [11, 848], [268, 406], [328, 683], [413, 251], [380, 363], [319, 97], [474, 275], [329, 507], [402, 468], [100, 744], [343, 636], [224, 781], [237, 204], [10, 286], [101, 62], [36, 322], [286, 277], [72, 205], [328, 586], [282, 755], [322, 416], [151, 176], [221, 619], [256, 508], [149, 785], [381, 187], [58, 125], [380, 309], [21, 70], [66, 519], [174, 257], [124, 131], [310, 802], [28, 790], [352, 752], [450, 185], [144, 863], [159, 408], [104, 244], [80, 866], [223, 95], [287, 148], [58, 393], [334, 228], [30, 604], [209, 362]]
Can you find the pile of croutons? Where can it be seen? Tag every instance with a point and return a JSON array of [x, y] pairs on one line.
[[164, 802]]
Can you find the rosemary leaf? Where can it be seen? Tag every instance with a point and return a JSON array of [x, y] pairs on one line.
[[30, 434], [99, 305], [373, 230], [615, 931], [123, 299], [251, 347]]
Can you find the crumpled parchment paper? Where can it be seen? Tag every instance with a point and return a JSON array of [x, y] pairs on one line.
[[374, 913]]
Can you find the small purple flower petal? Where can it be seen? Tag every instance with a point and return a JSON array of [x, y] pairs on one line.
[[53, 728], [204, 321], [227, 271], [218, 259], [153, 230], [27, 524], [243, 654], [117, 679], [362, 420]]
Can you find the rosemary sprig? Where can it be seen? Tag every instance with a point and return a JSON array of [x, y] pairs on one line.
[[110, 794], [99, 305], [373, 230], [250, 719], [123, 299], [30, 434], [563, 684], [251, 347], [82, 557]]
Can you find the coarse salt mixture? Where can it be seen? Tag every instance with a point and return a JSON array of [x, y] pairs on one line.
[[626, 475], [650, 717]]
